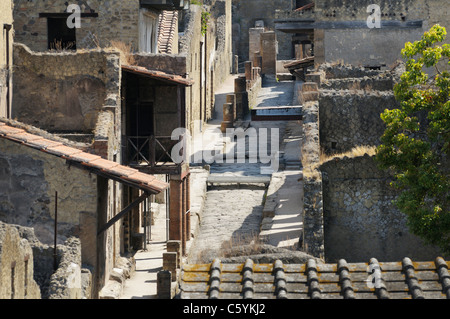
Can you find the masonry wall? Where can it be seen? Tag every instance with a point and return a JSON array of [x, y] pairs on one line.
[[16, 266], [348, 208], [29, 180], [6, 17], [117, 20], [247, 12], [59, 91], [351, 101], [200, 51], [360, 221], [365, 46]]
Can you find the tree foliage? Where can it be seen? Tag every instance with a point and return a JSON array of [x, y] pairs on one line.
[[416, 142]]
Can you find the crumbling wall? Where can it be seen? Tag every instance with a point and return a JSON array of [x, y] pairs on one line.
[[348, 119], [313, 232], [348, 208], [358, 44], [360, 221], [59, 91], [116, 20], [351, 101], [70, 280], [16, 266], [66, 282], [247, 12], [29, 179]]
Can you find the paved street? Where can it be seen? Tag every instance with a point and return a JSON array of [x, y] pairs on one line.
[[231, 215]]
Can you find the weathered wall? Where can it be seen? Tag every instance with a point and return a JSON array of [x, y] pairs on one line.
[[169, 63], [313, 233], [6, 17], [29, 179], [348, 120], [351, 101], [59, 91], [114, 22], [365, 46], [16, 266], [199, 50], [66, 282], [247, 12], [360, 221], [348, 209]]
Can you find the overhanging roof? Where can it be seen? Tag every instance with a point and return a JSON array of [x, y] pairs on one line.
[[93, 163], [404, 279], [158, 75]]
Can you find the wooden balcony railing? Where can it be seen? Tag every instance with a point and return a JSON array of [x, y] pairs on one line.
[[152, 151]]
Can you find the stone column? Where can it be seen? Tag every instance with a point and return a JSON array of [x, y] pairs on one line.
[[164, 284], [254, 42], [269, 53], [176, 208], [188, 207], [227, 117], [249, 71], [240, 90], [231, 98]]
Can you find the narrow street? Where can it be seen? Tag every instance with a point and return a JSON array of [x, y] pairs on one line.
[[230, 214]]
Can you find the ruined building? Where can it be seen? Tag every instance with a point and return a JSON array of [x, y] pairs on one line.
[[112, 87], [338, 30]]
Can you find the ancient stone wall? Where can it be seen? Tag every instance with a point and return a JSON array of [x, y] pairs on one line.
[[60, 91], [358, 44], [117, 20], [245, 15], [29, 180], [70, 280], [313, 232], [66, 282], [348, 206], [351, 101], [360, 220], [16, 266], [169, 63]]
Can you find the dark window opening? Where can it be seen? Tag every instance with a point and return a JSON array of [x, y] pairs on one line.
[[301, 3], [60, 36]]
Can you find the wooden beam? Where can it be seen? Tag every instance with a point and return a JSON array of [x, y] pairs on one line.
[[111, 222], [295, 26]]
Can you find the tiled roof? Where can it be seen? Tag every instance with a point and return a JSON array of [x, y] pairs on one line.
[[342, 280], [168, 22], [158, 75], [93, 163]]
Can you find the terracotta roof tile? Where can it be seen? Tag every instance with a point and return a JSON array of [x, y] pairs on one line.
[[25, 137], [102, 164], [43, 144], [7, 130], [310, 280], [159, 75], [123, 171], [84, 157], [63, 151]]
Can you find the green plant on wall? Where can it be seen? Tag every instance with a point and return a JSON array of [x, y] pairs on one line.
[[418, 151], [205, 20]]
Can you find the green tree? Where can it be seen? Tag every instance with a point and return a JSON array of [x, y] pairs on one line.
[[416, 142]]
